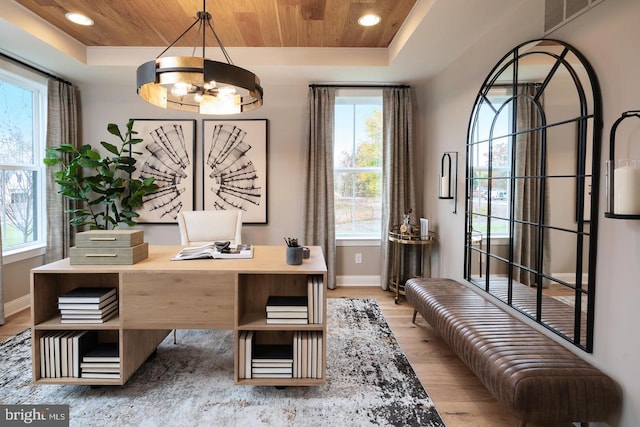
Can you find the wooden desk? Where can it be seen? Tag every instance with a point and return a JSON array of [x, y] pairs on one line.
[[157, 295]]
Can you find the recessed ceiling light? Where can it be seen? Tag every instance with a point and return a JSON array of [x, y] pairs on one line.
[[79, 19], [369, 20]]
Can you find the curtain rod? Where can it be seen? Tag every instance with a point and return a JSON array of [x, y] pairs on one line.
[[358, 86], [32, 68]]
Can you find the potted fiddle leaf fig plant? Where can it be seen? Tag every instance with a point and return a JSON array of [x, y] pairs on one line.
[[103, 188]]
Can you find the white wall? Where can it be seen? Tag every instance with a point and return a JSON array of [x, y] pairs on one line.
[[285, 111], [608, 37]]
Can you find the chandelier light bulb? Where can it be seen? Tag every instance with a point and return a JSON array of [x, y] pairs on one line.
[[209, 85], [180, 89], [227, 91], [197, 97]]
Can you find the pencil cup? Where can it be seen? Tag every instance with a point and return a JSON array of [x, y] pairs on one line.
[[294, 255]]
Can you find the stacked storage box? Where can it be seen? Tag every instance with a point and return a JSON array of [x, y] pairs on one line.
[[109, 247]]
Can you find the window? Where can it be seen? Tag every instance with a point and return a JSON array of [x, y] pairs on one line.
[[492, 184], [358, 164], [22, 127]]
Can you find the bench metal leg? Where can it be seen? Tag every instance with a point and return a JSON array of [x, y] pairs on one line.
[[414, 315]]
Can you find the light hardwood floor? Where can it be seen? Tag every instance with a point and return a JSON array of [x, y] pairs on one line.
[[461, 399]]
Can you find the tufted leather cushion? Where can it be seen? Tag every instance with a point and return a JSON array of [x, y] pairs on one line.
[[534, 377]]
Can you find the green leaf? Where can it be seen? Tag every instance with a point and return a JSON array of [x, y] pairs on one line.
[[50, 161], [88, 163], [130, 124], [114, 130], [110, 147], [128, 169], [65, 148], [127, 160]]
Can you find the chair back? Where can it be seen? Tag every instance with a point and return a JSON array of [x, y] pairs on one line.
[[202, 227]]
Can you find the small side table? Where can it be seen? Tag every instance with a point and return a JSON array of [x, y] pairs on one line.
[[400, 241]]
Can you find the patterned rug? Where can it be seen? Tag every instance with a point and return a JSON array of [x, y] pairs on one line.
[[369, 382]]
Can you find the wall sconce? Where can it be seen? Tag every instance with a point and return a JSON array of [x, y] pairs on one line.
[[623, 179], [449, 178]]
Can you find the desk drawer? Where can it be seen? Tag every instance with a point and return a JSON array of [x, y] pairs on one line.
[[177, 300]]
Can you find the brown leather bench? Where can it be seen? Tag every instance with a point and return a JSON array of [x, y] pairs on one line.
[[531, 375]]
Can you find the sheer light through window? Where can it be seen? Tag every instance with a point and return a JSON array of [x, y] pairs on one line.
[[358, 164], [21, 168]]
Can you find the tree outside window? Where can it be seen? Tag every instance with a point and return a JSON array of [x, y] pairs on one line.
[[358, 166], [20, 167]]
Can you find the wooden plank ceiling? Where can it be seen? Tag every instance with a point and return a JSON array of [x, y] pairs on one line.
[[246, 23]]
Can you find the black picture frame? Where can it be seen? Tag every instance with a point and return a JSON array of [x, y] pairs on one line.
[[235, 167], [168, 155]]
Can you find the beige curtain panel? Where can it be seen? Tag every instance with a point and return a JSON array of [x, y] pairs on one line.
[[62, 127], [398, 186], [319, 216]]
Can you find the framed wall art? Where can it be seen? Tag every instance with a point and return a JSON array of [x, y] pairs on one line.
[[167, 154], [235, 167]]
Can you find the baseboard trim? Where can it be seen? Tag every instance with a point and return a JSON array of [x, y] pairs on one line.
[[17, 305], [357, 280]]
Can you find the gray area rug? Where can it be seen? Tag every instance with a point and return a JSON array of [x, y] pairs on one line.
[[369, 382]]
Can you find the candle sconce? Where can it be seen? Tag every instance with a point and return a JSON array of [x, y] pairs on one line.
[[449, 178], [623, 179]]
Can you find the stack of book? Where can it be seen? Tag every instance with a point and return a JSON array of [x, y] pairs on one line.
[[88, 305], [62, 351], [102, 361], [272, 361], [315, 294], [307, 354], [287, 310]]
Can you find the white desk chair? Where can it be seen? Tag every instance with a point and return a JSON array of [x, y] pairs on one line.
[[202, 227]]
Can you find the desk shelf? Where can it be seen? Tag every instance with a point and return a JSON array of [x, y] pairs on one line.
[[253, 291], [157, 295]]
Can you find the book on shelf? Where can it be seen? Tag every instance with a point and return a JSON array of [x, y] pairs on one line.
[[241, 353], [273, 353], [105, 375], [102, 352], [295, 355], [259, 364], [210, 251], [320, 350], [248, 352], [83, 341], [82, 320], [89, 314], [87, 295], [95, 315], [285, 321], [278, 303], [303, 353], [315, 296], [114, 370], [288, 371], [271, 375], [90, 307], [100, 365], [286, 315], [314, 355], [60, 352]]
